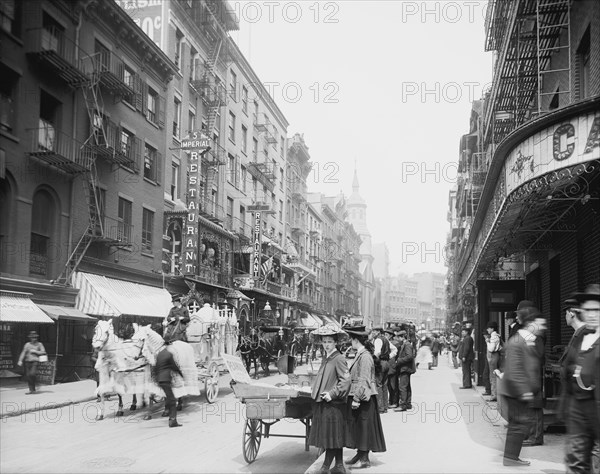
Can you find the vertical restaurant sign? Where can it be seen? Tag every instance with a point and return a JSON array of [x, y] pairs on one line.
[[197, 144], [147, 14], [256, 255]]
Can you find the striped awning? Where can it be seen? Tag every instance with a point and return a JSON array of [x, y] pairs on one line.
[[64, 312], [103, 296], [17, 307]]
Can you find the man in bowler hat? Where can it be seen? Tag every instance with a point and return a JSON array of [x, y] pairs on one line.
[[522, 385], [580, 377]]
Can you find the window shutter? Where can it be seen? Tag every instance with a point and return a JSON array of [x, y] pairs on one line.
[[117, 143], [144, 92], [136, 148], [159, 167], [161, 111], [139, 94]]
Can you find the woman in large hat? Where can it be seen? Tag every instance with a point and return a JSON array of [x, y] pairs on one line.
[[365, 432], [329, 392]]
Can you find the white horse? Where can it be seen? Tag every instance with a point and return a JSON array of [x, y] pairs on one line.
[[183, 353], [121, 368]]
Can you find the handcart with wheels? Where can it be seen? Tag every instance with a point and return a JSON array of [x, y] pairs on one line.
[[266, 405]]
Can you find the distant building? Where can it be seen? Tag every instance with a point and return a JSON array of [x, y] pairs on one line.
[[381, 260]]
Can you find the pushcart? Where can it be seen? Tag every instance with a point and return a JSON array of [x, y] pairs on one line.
[[266, 405]]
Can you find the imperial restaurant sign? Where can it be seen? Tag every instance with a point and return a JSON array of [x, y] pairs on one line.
[[256, 254], [566, 144], [197, 144]]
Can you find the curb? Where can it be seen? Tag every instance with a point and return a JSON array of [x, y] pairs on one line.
[[47, 406]]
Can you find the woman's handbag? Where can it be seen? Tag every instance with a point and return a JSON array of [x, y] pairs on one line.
[[43, 358]]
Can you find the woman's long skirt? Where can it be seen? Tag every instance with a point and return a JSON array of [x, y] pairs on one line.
[[328, 430], [424, 357], [365, 432]]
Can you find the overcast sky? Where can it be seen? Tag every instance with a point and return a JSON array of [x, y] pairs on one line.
[[385, 84]]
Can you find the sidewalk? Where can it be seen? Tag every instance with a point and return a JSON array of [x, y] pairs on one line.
[[452, 431], [14, 400]]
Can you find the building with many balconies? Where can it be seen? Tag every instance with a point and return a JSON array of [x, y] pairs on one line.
[[81, 170]]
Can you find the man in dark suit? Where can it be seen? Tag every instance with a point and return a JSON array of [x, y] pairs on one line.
[[466, 354], [165, 363], [580, 385], [405, 368], [513, 325], [522, 385]]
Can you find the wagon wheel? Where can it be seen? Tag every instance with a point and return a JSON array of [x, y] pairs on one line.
[[211, 383], [251, 438]]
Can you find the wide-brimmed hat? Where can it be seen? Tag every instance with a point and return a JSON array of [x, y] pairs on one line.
[[389, 331], [328, 329], [356, 331], [378, 328], [591, 293], [176, 298], [33, 334], [402, 332]]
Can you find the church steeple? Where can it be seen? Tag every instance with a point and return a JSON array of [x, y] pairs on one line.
[[355, 181]]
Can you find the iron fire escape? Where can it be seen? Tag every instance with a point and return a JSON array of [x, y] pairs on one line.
[[526, 35]]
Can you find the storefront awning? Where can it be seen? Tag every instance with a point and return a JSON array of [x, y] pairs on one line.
[[64, 312], [309, 321], [17, 307], [103, 296]]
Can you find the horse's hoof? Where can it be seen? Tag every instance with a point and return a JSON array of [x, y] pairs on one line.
[[120, 413], [133, 408], [100, 417], [148, 417]]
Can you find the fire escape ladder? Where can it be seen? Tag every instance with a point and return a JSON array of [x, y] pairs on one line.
[[95, 108], [95, 228], [553, 18]]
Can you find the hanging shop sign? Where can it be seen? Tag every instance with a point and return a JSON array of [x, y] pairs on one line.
[[560, 146], [257, 251], [197, 144]]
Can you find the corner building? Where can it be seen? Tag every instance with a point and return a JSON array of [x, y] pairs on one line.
[[525, 219]]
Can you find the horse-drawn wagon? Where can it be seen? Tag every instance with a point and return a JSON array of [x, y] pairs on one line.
[[211, 333]]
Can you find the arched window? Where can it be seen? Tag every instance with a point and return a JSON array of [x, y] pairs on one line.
[[43, 218]]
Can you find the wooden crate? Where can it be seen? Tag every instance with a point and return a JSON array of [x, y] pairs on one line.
[[266, 409]]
